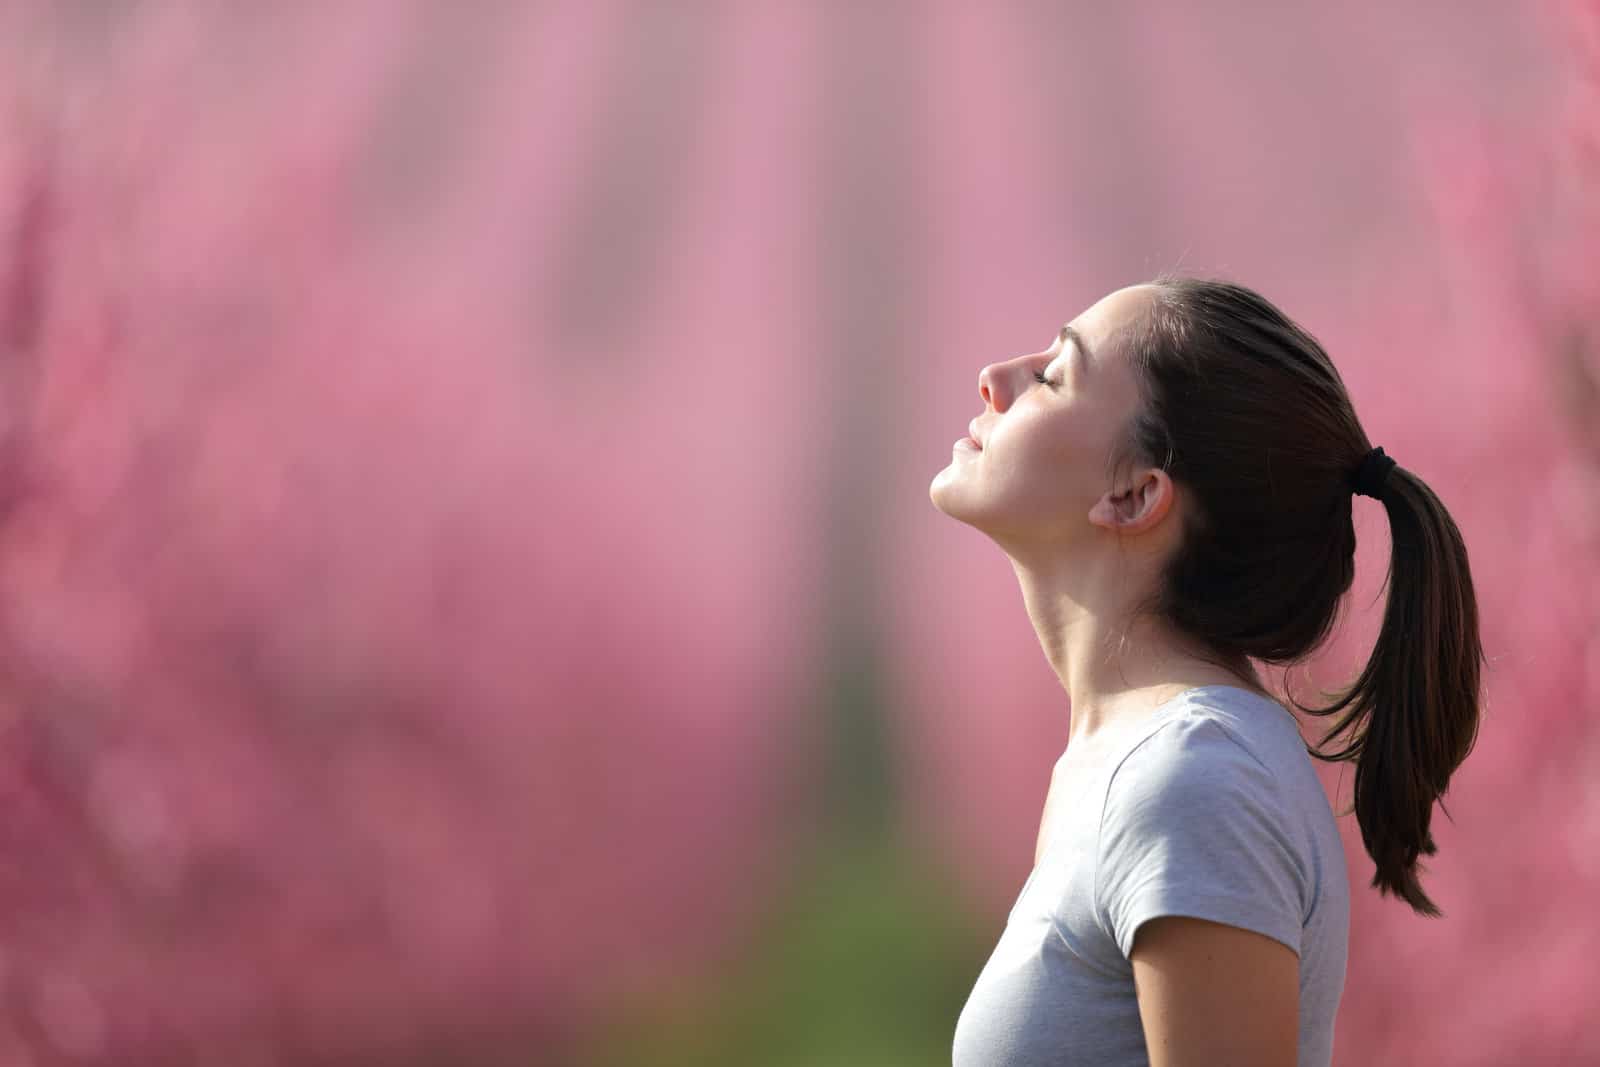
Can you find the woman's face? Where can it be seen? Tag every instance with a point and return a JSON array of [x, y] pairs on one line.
[[1037, 467]]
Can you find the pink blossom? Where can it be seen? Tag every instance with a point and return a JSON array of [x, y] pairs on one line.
[[390, 662]]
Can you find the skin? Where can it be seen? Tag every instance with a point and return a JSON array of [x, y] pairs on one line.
[[1084, 552]]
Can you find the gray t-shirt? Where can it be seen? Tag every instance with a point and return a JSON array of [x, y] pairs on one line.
[[1210, 808]]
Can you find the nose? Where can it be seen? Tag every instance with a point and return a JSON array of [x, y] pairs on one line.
[[994, 385]]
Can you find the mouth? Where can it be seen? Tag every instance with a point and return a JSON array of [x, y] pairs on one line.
[[972, 435]]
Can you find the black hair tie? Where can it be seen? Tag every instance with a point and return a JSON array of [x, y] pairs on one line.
[[1374, 471]]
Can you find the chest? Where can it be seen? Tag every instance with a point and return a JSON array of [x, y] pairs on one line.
[[1072, 784]]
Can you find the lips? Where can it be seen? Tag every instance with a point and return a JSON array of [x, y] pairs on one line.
[[972, 432]]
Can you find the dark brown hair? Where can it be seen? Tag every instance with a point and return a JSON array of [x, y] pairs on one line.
[[1246, 413]]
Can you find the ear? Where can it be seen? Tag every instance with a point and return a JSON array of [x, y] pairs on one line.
[[1138, 508]]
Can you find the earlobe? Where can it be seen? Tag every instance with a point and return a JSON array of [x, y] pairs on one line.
[[1104, 512], [1116, 511], [1137, 508]]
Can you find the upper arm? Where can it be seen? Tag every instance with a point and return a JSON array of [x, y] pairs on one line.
[[1192, 825], [1210, 993], [1202, 887]]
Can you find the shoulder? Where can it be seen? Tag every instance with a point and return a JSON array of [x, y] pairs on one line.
[[1190, 753], [1195, 824]]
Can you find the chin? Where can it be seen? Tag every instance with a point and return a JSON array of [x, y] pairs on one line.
[[953, 509], [941, 493]]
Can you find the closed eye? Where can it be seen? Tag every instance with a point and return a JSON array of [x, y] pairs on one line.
[[1039, 377]]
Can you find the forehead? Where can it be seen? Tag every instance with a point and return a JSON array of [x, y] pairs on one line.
[[1113, 311]]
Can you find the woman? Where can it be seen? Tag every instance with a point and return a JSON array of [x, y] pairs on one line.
[[1172, 480]]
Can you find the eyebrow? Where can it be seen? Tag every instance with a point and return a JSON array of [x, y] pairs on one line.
[[1070, 333]]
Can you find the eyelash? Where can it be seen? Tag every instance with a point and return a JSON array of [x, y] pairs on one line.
[[1039, 377]]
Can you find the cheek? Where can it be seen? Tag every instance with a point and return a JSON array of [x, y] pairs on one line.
[[1045, 464], [1051, 447], [1062, 466]]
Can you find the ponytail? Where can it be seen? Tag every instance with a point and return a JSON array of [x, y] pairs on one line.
[[1244, 408], [1418, 695]]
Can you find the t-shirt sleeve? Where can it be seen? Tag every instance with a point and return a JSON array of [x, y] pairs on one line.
[[1193, 825]]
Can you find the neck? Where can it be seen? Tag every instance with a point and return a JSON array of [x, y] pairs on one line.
[[1114, 667]]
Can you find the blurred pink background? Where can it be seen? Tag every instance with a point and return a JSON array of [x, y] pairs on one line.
[[465, 544]]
